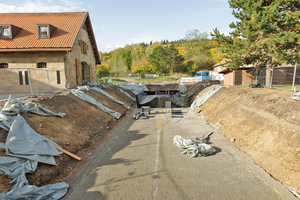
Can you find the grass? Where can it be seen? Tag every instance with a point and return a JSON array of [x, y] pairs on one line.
[[138, 79], [157, 79], [286, 86]]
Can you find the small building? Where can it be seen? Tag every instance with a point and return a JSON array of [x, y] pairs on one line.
[[235, 77], [42, 52]]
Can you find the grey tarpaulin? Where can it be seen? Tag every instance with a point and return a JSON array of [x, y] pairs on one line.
[[13, 107], [193, 148], [16, 168], [136, 89], [83, 96], [47, 192], [27, 148], [23, 141], [197, 103], [296, 96], [109, 96], [127, 94]]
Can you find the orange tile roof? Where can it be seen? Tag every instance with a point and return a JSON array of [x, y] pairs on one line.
[[67, 24], [222, 62]]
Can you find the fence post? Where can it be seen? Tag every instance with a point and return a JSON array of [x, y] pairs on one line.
[[271, 82], [294, 78], [48, 80], [31, 89]]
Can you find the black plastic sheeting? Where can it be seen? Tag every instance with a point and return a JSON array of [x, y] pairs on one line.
[[157, 99]]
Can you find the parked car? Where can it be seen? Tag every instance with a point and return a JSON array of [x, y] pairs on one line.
[[134, 74], [150, 75]]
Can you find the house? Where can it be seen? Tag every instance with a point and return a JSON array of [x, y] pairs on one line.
[[42, 52]]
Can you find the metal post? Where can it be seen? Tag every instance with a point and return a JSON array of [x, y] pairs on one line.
[[271, 84], [30, 81], [294, 78], [48, 80]]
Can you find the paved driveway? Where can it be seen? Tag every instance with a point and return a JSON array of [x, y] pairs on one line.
[[140, 161]]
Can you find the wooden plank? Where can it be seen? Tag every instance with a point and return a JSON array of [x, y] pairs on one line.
[[66, 152]]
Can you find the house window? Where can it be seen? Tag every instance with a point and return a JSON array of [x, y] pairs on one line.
[[3, 65], [43, 32], [78, 42], [42, 65], [83, 47], [8, 32], [58, 77], [46, 31], [20, 78], [5, 32], [26, 78]]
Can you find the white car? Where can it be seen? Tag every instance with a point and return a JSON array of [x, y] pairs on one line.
[[150, 75]]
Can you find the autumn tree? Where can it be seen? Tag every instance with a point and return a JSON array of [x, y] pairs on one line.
[[266, 33]]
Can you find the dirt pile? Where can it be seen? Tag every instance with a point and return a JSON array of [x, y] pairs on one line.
[[264, 123], [83, 126]]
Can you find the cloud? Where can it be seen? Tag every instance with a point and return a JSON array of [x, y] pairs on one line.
[[30, 6]]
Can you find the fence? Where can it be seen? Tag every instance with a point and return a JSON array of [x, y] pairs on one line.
[[30, 80], [285, 78]]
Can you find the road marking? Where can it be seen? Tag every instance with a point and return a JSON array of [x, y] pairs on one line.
[[251, 167], [108, 149], [276, 191], [93, 171], [117, 137], [154, 181]]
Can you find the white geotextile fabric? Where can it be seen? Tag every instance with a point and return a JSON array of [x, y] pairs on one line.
[[136, 89], [97, 89], [193, 148], [296, 96], [197, 103]]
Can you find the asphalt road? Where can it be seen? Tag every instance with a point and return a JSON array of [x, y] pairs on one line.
[[140, 161]]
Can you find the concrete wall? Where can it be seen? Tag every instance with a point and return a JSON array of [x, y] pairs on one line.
[[21, 62], [75, 59]]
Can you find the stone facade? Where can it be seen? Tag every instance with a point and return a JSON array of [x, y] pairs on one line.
[[63, 69]]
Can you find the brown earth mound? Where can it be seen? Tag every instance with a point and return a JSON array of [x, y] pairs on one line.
[[83, 126], [264, 123]]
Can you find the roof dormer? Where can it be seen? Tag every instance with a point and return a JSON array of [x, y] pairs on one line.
[[8, 31], [45, 31]]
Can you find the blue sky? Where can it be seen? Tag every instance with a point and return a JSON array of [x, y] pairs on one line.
[[120, 22]]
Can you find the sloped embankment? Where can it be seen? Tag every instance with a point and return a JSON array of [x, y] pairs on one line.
[[263, 123], [78, 132]]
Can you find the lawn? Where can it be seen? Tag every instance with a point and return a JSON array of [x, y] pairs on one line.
[[138, 79], [286, 86]]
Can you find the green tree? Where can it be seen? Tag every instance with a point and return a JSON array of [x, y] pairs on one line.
[[174, 58], [266, 33], [159, 59]]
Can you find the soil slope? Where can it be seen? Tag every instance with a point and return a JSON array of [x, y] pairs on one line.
[[264, 123], [78, 132]]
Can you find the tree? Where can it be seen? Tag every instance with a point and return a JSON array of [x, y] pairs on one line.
[[159, 59], [174, 58], [267, 32], [197, 42]]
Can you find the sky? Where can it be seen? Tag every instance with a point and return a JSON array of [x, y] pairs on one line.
[[117, 23]]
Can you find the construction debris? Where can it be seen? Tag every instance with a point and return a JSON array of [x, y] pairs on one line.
[[296, 96], [194, 148]]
